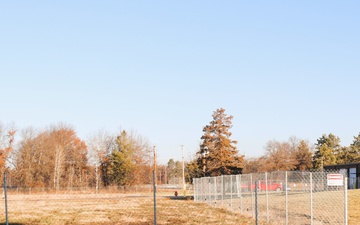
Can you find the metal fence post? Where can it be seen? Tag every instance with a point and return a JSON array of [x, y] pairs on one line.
[[241, 205], [215, 191], [311, 199], [252, 196], [346, 201], [154, 183], [222, 190], [194, 189], [208, 194], [267, 198], [256, 203], [202, 190], [197, 189], [286, 200], [231, 191], [5, 196], [209, 188]]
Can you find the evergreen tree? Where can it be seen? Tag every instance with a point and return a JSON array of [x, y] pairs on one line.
[[303, 156], [129, 161], [327, 151], [219, 155], [354, 150], [345, 156], [174, 171], [192, 170], [119, 167], [171, 170]]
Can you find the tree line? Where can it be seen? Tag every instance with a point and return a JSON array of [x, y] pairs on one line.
[[218, 154], [297, 154], [55, 157]]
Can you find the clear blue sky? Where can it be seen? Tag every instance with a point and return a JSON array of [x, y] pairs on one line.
[[281, 68]]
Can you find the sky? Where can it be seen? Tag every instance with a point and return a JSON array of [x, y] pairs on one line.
[[161, 68]]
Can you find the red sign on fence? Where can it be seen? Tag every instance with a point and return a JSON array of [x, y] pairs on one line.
[[335, 179]]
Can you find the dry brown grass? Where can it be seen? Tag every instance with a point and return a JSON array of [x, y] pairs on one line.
[[113, 209], [328, 207], [353, 207], [93, 209]]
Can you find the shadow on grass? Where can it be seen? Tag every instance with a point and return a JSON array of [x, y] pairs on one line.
[[182, 197], [12, 224]]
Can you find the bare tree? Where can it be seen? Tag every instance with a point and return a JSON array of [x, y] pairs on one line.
[[280, 156], [58, 165], [7, 136], [100, 145], [255, 165], [54, 157], [142, 157]]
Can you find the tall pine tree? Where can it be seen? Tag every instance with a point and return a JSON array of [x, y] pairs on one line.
[[327, 151], [354, 151], [218, 154], [303, 156]]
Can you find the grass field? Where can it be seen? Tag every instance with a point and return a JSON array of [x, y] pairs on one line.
[[93, 209], [113, 209], [354, 206]]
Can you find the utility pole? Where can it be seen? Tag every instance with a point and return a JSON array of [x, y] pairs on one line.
[[183, 170], [155, 159]]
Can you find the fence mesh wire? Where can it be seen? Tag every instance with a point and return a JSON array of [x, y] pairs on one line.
[[80, 204], [282, 197]]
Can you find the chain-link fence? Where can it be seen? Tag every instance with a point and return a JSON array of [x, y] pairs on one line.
[[281, 197], [79, 204]]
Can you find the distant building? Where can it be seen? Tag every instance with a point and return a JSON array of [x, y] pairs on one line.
[[353, 173]]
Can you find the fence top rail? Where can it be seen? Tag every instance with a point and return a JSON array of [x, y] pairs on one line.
[[343, 172]]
